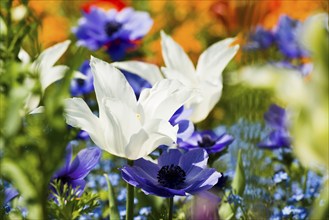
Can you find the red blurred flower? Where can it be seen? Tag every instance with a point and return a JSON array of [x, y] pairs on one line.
[[104, 4]]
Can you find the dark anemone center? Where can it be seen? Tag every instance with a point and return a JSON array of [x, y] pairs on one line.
[[206, 141], [112, 27], [171, 176], [80, 82]]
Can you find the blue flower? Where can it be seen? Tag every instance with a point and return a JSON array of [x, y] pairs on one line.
[[83, 86], [276, 118], [287, 39], [207, 140], [9, 194], [116, 30], [83, 135], [304, 69], [185, 126], [260, 39], [175, 174], [74, 172], [136, 82]]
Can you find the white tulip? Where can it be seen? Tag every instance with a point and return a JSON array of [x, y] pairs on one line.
[[127, 127], [206, 78]]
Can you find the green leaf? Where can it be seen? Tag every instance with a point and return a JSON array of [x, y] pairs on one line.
[[114, 213], [227, 210], [239, 180]]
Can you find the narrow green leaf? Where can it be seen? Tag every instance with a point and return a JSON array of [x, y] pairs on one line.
[[114, 213], [227, 210], [239, 180]]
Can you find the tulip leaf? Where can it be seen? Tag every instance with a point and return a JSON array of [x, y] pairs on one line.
[[227, 210], [114, 213]]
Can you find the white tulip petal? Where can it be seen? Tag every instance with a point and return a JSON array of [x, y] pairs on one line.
[[78, 114], [189, 80], [155, 133], [213, 61], [37, 110], [164, 98], [211, 95], [128, 121], [150, 72], [32, 102], [174, 56], [52, 75], [109, 82], [51, 55], [24, 56]]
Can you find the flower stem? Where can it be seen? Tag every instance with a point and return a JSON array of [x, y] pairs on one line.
[[171, 207], [130, 198]]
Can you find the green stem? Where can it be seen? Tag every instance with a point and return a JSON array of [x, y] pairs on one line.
[[171, 207], [130, 198]]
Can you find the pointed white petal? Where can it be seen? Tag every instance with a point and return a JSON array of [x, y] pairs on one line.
[[38, 110], [52, 75], [150, 72], [32, 102], [164, 98], [51, 55], [189, 80], [78, 114], [127, 121], [24, 56], [174, 56], [109, 82], [210, 96], [155, 133], [213, 61]]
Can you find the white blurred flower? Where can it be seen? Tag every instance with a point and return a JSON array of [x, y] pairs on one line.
[[126, 127], [206, 78], [44, 70]]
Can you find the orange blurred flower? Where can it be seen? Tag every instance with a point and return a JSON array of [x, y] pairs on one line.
[[54, 27]]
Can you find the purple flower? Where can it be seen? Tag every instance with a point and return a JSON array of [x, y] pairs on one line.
[[117, 30], [185, 126], [83, 86], [207, 140], [83, 135], [276, 118], [74, 172], [175, 174], [260, 39], [10, 194], [287, 39]]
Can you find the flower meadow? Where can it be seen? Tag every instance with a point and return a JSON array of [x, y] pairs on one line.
[[140, 110]]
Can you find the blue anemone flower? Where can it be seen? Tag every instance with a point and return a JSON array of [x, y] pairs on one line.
[[175, 174], [136, 82], [116, 30], [276, 117], [207, 140], [83, 86], [185, 126], [74, 172], [260, 39], [287, 39]]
